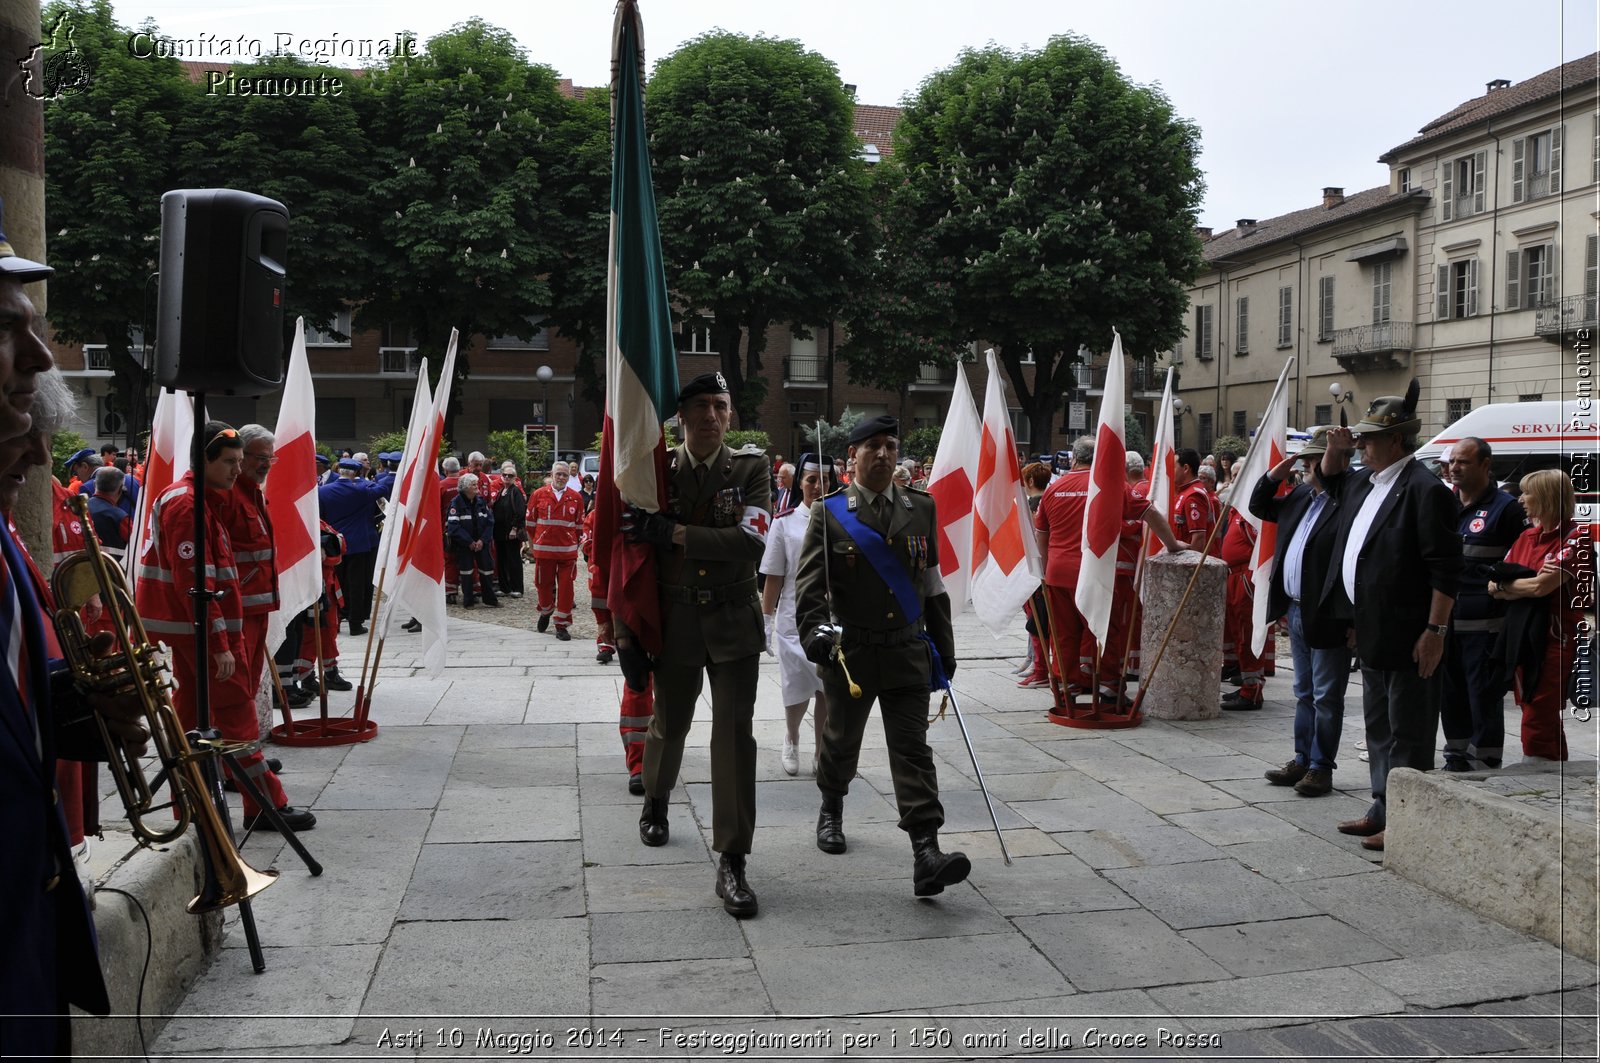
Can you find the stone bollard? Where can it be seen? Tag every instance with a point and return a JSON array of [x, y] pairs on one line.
[[1186, 685]]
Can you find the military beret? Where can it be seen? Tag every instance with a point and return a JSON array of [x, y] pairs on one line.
[[868, 427], [704, 384], [350, 463], [86, 454], [13, 266]]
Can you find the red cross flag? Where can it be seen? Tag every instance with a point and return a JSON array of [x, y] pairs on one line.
[[1005, 554], [171, 433], [1268, 448], [952, 485], [291, 494], [1163, 466], [1102, 515]]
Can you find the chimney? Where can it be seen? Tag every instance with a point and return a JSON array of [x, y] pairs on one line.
[[1497, 84], [1246, 226], [1203, 231], [1332, 197]]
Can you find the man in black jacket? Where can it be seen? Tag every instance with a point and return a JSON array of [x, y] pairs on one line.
[[1396, 562], [1306, 519]]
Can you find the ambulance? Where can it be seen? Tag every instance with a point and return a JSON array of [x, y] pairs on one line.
[[1526, 436]]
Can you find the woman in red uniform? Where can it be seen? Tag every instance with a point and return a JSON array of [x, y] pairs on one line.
[[1561, 552]]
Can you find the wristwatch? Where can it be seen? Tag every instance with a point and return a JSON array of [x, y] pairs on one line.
[[1439, 629]]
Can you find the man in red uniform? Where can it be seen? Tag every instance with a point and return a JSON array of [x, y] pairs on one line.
[[1060, 526], [555, 517], [449, 487], [250, 531], [1192, 514], [1238, 618], [166, 578]]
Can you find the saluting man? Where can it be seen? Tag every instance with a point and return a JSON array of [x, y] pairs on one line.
[[708, 542], [870, 564]]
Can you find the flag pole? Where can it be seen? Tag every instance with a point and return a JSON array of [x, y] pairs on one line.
[[364, 703], [366, 656]]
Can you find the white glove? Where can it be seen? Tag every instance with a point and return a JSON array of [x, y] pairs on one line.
[[768, 619]]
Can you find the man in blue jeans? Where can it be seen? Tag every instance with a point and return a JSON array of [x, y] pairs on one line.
[[1316, 643]]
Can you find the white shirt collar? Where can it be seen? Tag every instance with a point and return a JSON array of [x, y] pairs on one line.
[[1390, 474]]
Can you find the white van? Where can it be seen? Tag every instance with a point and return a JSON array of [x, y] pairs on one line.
[[1525, 436]]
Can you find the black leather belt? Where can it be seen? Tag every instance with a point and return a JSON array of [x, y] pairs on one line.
[[854, 636], [730, 592]]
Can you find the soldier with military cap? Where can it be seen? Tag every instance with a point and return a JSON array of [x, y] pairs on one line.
[[708, 541], [873, 611], [1395, 572]]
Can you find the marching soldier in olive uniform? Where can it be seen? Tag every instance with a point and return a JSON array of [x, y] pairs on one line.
[[708, 542], [869, 599]]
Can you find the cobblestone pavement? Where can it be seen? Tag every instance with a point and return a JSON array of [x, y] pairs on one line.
[[486, 895]]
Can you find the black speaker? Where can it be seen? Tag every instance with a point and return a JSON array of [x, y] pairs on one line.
[[219, 319]]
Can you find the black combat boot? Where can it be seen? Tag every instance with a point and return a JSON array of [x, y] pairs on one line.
[[653, 821], [738, 899], [934, 870], [830, 825]]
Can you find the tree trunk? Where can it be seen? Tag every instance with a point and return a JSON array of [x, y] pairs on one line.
[[755, 381], [726, 339]]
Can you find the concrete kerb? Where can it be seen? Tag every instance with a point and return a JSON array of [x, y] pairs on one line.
[[1520, 865], [178, 944]]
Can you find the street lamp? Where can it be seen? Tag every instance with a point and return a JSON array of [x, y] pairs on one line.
[[545, 375], [1342, 395]]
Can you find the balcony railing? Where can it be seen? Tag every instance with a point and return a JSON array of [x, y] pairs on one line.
[[935, 376], [801, 369], [1142, 376], [1537, 184], [1382, 346], [1565, 316]]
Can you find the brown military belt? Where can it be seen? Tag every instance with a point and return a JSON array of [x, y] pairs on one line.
[[730, 592], [854, 636]]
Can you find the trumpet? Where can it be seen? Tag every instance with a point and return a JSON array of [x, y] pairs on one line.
[[139, 667]]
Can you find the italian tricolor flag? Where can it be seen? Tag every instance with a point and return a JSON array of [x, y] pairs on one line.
[[641, 353]]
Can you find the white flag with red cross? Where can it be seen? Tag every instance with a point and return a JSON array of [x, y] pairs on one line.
[[1102, 514], [291, 494], [1163, 466], [1269, 447], [171, 436], [1005, 554], [953, 487]]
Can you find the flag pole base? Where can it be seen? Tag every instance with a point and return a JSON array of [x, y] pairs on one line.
[[334, 731], [1091, 717]]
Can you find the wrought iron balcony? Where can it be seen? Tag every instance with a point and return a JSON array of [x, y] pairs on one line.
[[1371, 347], [1557, 321], [805, 371], [1142, 377], [934, 377], [399, 360]]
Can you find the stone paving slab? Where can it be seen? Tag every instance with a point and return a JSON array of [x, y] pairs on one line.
[[521, 814], [1405, 917], [848, 911], [1277, 1000], [1044, 885], [1212, 893], [611, 837], [654, 936], [1282, 945], [679, 988], [1468, 976], [494, 967], [1118, 950], [1137, 846], [524, 880], [657, 888]]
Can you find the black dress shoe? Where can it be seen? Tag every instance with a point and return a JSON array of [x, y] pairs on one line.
[[411, 625], [336, 681], [296, 819], [544, 623], [934, 870], [738, 899], [563, 635], [653, 822], [636, 784], [604, 657], [357, 629], [830, 825], [296, 695], [492, 603]]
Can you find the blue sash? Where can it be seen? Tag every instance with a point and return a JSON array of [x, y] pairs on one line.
[[893, 574]]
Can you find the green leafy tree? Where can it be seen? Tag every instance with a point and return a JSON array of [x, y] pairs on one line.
[[1133, 435], [581, 183], [760, 194], [1063, 199], [308, 152], [511, 445], [110, 148], [391, 441], [463, 214], [833, 435], [1235, 445], [921, 443], [744, 437], [63, 445]]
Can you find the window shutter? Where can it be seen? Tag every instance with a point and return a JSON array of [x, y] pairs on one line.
[[1442, 312], [1513, 280], [1479, 164], [1519, 148], [1447, 201], [1472, 288], [1594, 174], [1241, 342], [1555, 160], [1551, 283], [1591, 278], [1325, 311]]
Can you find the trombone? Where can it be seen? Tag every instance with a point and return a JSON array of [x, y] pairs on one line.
[[139, 667]]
